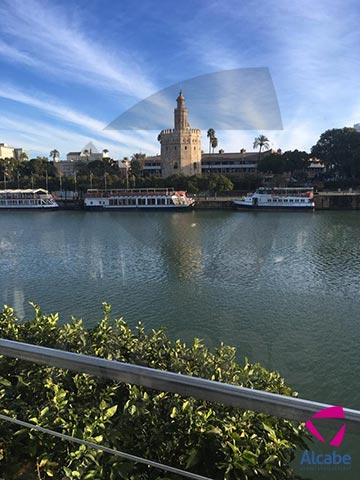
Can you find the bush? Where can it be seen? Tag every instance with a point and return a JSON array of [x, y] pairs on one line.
[[203, 437]]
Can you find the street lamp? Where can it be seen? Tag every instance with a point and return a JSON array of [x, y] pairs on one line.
[[32, 181], [47, 181], [91, 179], [105, 180], [18, 180]]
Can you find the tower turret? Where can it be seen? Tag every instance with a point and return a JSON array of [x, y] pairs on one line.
[[181, 113]]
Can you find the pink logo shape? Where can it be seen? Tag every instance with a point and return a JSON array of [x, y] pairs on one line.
[[330, 412]]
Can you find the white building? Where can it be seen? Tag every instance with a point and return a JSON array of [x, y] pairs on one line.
[[88, 154], [12, 152]]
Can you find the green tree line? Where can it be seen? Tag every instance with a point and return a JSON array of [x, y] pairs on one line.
[[337, 149]]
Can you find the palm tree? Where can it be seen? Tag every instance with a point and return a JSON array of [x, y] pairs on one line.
[[24, 156], [261, 141], [211, 136], [214, 143], [54, 154]]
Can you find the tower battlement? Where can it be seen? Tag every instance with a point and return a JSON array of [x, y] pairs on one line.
[[168, 131]]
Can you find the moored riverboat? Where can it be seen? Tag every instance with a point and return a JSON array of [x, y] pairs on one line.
[[143, 198], [27, 199], [278, 199]]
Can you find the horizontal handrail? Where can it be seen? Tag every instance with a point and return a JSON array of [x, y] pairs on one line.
[[281, 406], [97, 446]]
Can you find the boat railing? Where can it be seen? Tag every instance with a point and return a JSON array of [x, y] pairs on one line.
[[291, 408], [129, 192], [296, 191]]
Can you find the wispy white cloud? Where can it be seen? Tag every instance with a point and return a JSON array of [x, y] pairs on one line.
[[17, 56], [40, 137], [89, 127], [58, 41]]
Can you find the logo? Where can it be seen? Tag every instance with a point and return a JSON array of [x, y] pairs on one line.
[[330, 412], [326, 461]]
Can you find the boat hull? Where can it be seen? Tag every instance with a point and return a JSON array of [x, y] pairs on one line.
[[272, 208], [32, 207], [129, 208]]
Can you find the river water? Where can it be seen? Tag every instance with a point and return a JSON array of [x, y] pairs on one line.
[[282, 287]]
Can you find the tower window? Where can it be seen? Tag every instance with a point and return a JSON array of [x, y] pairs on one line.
[[194, 148], [174, 148], [185, 147]]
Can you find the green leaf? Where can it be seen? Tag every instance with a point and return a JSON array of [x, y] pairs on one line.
[[185, 405], [249, 456], [5, 382], [110, 412], [193, 458], [44, 411]]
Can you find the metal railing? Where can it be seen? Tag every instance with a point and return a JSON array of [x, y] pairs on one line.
[[281, 406]]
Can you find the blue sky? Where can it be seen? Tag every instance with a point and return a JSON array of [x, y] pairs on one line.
[[68, 68]]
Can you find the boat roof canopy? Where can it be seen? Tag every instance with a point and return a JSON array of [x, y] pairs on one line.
[[285, 189], [27, 190]]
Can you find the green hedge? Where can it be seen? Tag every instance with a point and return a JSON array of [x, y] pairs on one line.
[[206, 438]]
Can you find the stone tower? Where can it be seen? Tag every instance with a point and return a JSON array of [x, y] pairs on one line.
[[180, 146]]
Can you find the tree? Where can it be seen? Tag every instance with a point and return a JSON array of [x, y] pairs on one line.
[[220, 184], [214, 143], [86, 153], [273, 163], [24, 156], [339, 150], [260, 142], [210, 135], [54, 154], [200, 436], [137, 164], [296, 160]]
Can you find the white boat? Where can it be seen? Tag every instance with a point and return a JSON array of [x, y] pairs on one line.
[[27, 199], [278, 199], [143, 198]]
